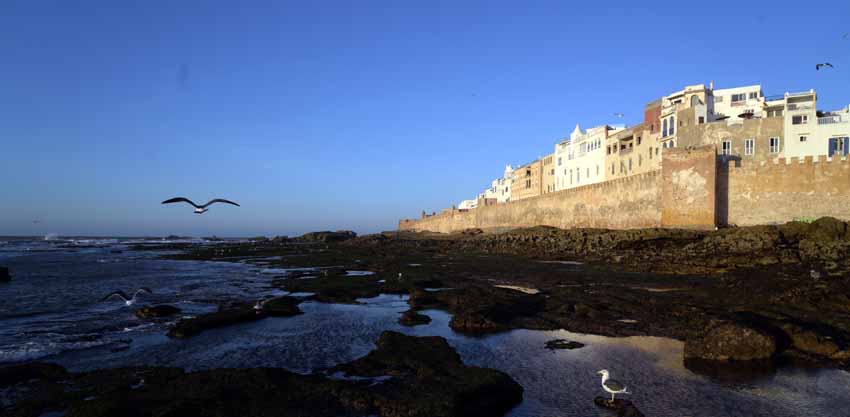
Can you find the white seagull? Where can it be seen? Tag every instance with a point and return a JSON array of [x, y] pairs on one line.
[[127, 300], [612, 386], [199, 209]]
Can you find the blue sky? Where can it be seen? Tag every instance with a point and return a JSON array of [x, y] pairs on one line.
[[347, 114]]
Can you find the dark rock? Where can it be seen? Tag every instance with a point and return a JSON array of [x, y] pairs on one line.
[[11, 375], [731, 341], [413, 318], [161, 310], [427, 379], [624, 408], [563, 344], [810, 341], [4, 274], [221, 318], [282, 306], [328, 236]]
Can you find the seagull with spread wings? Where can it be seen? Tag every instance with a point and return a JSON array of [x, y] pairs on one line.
[[825, 64], [199, 209]]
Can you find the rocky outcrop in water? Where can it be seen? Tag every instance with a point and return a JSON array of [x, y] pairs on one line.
[[563, 344], [240, 313], [731, 342], [328, 236], [426, 379], [413, 318], [624, 408], [161, 310]]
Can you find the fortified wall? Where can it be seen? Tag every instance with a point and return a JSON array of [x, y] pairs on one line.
[[782, 190], [693, 189]]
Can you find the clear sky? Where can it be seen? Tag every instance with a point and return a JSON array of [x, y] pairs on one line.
[[347, 114]]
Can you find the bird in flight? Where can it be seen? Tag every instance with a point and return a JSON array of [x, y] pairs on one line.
[[620, 115], [825, 64], [199, 209], [128, 300]]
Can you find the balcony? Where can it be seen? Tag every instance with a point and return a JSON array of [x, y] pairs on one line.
[[829, 120], [626, 151], [801, 106], [776, 97]]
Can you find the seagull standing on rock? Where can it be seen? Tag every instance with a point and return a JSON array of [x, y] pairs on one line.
[[199, 209], [612, 386]]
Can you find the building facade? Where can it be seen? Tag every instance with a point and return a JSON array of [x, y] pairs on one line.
[[527, 181], [548, 167]]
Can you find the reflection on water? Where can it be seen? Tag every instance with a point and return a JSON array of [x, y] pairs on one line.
[[557, 383], [55, 298]]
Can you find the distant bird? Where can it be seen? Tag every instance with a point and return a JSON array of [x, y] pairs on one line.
[[825, 64], [399, 276], [128, 300], [199, 209], [612, 386], [620, 115]]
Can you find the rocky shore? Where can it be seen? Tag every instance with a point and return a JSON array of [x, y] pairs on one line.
[[781, 290], [403, 376]]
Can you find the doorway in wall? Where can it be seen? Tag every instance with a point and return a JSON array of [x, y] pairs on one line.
[[839, 146]]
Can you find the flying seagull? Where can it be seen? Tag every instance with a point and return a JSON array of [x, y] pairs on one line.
[[620, 115], [825, 64], [199, 209], [127, 300], [612, 386]]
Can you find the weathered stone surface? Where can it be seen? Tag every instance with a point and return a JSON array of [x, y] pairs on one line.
[[731, 341], [810, 341], [427, 378], [161, 310]]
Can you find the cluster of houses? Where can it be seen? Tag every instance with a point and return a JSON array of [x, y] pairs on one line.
[[741, 122]]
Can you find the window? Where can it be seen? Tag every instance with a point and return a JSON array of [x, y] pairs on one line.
[[650, 153], [612, 168], [664, 129], [588, 173], [774, 113], [638, 140], [609, 149], [749, 146], [754, 95], [803, 138], [630, 164], [738, 97], [800, 119], [559, 161], [726, 148], [718, 99], [701, 120], [656, 151], [775, 145], [672, 123], [578, 176], [597, 170], [571, 176]]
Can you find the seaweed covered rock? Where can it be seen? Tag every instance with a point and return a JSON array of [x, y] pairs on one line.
[[563, 344], [225, 317], [731, 342], [624, 408]]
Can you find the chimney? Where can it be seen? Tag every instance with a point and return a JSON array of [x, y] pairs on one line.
[[711, 85]]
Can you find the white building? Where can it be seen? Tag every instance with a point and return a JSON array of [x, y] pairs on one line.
[[809, 132], [468, 204], [747, 101], [580, 160], [500, 188]]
